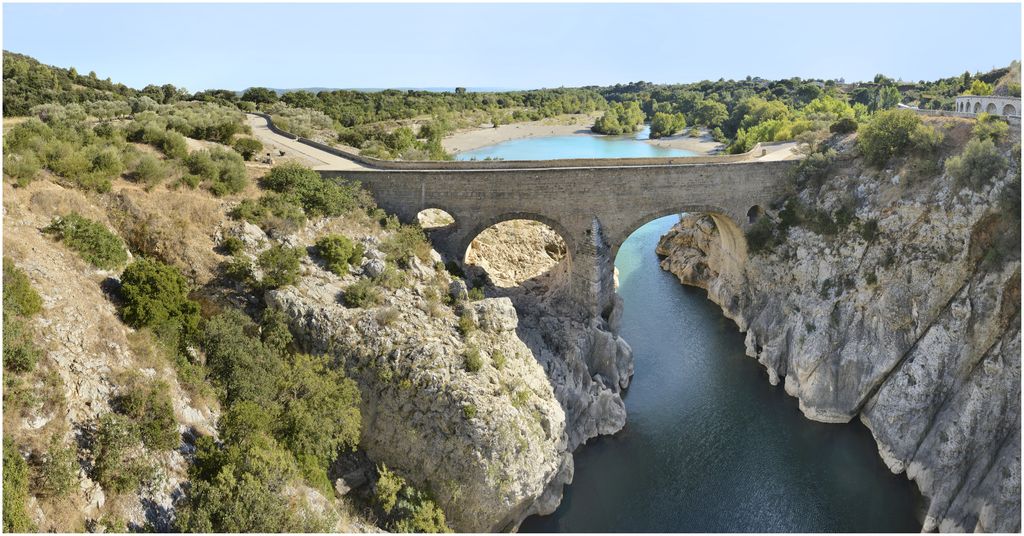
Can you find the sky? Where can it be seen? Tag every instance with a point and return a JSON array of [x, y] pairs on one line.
[[512, 46]]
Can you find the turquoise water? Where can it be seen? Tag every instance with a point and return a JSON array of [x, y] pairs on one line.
[[575, 146], [709, 444]]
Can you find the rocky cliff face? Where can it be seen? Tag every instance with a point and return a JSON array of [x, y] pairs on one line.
[[913, 327], [490, 444]]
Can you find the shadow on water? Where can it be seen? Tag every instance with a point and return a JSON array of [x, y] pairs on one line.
[[709, 444]]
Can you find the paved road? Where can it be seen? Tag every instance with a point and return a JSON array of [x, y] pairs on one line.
[[310, 155], [327, 161]]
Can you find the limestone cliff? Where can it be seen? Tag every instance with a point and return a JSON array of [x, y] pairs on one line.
[[489, 443], [913, 326]]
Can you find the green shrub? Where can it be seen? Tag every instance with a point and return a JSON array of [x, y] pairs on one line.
[[469, 411], [990, 127], [498, 359], [362, 293], [761, 236], [476, 294], [221, 169], [232, 245], [156, 295], [19, 296], [239, 269], [149, 170], [466, 324], [978, 164], [520, 398], [845, 125], [339, 252], [16, 516], [23, 168], [115, 466], [404, 508], [895, 133], [391, 278], [474, 361], [92, 240], [280, 266], [407, 242], [272, 211], [57, 472], [151, 409], [318, 197], [20, 352], [247, 147]]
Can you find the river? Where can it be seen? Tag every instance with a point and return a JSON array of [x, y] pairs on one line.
[[575, 146], [709, 445]]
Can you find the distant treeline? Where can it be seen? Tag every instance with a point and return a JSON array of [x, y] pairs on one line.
[[381, 122]]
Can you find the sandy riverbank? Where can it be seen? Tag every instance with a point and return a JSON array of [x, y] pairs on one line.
[[702, 145], [475, 138]]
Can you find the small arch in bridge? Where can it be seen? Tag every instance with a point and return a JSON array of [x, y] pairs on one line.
[[977, 107], [991, 108], [434, 218], [1009, 110], [514, 251], [754, 213]]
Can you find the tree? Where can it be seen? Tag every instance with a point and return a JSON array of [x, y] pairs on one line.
[[888, 97], [260, 95], [16, 516], [247, 147], [979, 88], [664, 124], [157, 295], [710, 113]]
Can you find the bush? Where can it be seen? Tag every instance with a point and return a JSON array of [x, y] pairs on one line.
[[895, 133], [57, 472], [280, 266], [92, 240], [232, 245], [466, 324], [221, 169], [977, 165], [362, 293], [149, 170], [473, 360], [318, 197], [846, 125], [156, 295], [16, 516], [405, 508], [23, 168], [339, 252], [760, 236], [990, 127], [151, 409], [498, 359], [407, 242], [476, 294], [19, 296], [247, 147], [391, 278], [114, 465]]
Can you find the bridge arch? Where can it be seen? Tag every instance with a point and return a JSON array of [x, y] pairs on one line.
[[729, 221], [434, 218], [991, 108], [977, 107], [1009, 110]]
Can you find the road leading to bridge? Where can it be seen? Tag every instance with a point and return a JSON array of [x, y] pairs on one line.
[[315, 158]]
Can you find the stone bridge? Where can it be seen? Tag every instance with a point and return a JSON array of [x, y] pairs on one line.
[[594, 209], [593, 204]]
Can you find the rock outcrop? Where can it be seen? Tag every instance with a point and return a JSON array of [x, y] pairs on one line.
[[488, 439], [913, 328]]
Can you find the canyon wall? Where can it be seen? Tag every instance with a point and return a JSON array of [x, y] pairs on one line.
[[907, 318]]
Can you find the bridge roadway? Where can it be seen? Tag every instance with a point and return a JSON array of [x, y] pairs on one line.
[[594, 204]]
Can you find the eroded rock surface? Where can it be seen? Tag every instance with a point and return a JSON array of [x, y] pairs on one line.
[[912, 330]]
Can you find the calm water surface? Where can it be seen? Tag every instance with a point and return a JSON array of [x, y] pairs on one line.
[[574, 146], [709, 445]]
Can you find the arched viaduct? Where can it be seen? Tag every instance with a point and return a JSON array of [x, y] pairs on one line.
[[594, 208], [594, 204]]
